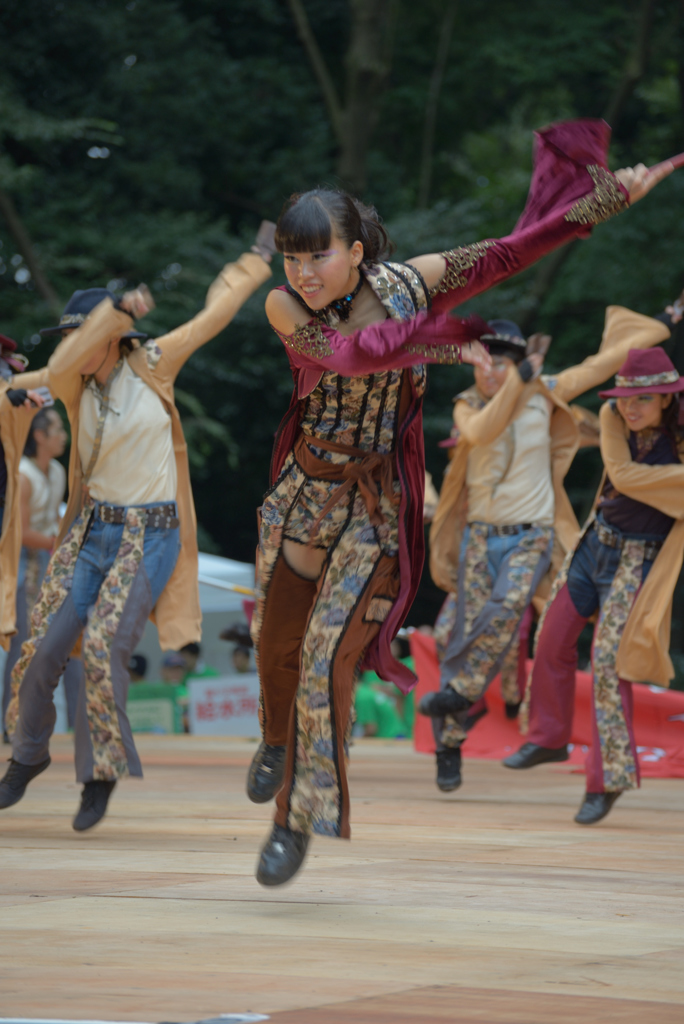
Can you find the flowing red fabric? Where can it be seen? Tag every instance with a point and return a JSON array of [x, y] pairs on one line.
[[658, 721], [560, 177]]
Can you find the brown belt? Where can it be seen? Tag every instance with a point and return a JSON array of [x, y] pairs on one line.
[[164, 516], [366, 471], [614, 539]]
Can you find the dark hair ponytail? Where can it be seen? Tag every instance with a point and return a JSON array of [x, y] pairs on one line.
[[308, 220]]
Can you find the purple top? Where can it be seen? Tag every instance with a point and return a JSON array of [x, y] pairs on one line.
[[654, 448]]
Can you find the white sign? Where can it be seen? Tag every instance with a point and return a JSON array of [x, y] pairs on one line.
[[225, 705]]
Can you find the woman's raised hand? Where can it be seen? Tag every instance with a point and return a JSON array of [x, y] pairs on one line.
[[138, 302], [34, 400], [476, 354], [641, 179]]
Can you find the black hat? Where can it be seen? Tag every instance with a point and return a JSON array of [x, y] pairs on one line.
[[138, 664], [238, 633], [504, 337], [80, 306]]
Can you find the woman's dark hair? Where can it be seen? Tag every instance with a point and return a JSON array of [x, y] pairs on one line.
[[308, 219], [126, 344], [671, 419], [41, 421]]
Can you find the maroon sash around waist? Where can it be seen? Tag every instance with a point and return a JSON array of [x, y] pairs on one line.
[[371, 469]]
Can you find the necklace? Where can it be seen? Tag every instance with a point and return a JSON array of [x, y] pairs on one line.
[[341, 307]]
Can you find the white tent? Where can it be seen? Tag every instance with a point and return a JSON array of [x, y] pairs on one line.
[[220, 608]]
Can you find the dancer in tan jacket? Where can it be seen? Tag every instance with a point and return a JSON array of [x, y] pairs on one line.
[[625, 567], [504, 521], [128, 547]]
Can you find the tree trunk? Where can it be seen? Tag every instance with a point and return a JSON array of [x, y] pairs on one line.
[[25, 247], [427, 150], [368, 63], [634, 70]]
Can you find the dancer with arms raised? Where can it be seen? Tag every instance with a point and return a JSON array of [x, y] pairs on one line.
[[341, 543]]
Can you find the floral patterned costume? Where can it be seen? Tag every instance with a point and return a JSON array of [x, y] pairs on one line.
[[347, 475], [118, 561]]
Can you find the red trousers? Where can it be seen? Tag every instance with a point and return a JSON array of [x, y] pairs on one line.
[[552, 694]]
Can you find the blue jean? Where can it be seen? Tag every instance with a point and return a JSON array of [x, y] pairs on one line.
[[593, 568], [98, 554], [99, 551]]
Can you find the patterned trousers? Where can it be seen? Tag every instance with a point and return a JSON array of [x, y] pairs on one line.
[[600, 578], [498, 576], [310, 638], [102, 581]]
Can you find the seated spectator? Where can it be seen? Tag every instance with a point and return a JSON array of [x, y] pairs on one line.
[[196, 668], [173, 668], [242, 658]]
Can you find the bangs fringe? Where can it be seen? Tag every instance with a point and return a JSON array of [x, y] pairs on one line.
[[304, 227]]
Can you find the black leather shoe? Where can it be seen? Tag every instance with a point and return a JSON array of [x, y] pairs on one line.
[[443, 702], [94, 799], [530, 754], [512, 710], [449, 769], [17, 777], [265, 776], [282, 856], [596, 806]]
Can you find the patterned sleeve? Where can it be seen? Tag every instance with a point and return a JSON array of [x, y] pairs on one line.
[[381, 346], [571, 191], [472, 269]]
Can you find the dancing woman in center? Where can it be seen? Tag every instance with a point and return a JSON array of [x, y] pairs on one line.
[[341, 528]]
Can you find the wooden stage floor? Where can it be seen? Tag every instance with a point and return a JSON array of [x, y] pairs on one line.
[[488, 905]]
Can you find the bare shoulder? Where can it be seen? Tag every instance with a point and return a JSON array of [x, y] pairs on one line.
[[284, 312], [431, 267]]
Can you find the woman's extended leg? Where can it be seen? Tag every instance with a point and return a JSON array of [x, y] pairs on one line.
[[356, 593]]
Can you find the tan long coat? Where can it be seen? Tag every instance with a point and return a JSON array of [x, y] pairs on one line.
[[15, 423], [643, 655], [623, 330], [177, 612]]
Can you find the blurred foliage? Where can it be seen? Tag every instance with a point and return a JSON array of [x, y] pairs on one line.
[[145, 139]]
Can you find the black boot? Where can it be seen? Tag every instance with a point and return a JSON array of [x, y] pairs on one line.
[[94, 799], [443, 702], [596, 806], [17, 777], [265, 776], [282, 856], [449, 769], [512, 709], [530, 754]]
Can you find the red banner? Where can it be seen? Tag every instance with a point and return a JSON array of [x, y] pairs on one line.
[[658, 720]]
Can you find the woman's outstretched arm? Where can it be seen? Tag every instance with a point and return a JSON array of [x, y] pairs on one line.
[[384, 345], [571, 191]]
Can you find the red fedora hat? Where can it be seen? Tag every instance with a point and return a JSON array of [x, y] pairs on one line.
[[646, 371]]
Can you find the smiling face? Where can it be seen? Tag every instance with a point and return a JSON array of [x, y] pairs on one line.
[[643, 411], [489, 381], [323, 276]]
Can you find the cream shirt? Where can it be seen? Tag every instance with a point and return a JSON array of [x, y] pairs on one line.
[[136, 464], [509, 481], [47, 490]]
